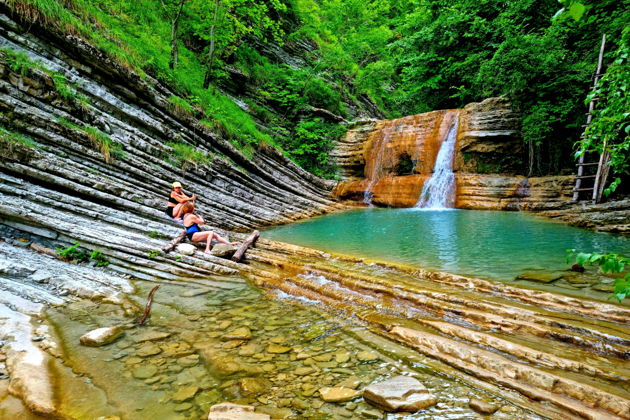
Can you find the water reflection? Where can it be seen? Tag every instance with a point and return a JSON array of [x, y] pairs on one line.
[[491, 244]]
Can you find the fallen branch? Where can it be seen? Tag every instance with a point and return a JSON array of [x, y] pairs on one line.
[[171, 245], [238, 255], [147, 308], [44, 250]]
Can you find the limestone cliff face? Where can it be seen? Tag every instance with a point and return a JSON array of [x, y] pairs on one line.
[[100, 161], [392, 159]]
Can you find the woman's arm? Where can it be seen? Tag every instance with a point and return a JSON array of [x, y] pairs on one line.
[[182, 198], [198, 219]]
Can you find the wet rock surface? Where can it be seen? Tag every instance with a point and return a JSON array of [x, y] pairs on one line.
[[400, 393], [101, 336]]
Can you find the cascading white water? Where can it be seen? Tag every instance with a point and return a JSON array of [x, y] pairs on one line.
[[439, 191], [373, 174]]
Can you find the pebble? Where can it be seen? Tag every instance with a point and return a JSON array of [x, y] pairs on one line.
[[144, 372], [277, 349], [183, 407], [367, 356], [149, 349], [184, 394]]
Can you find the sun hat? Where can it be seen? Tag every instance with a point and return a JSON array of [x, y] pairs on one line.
[[177, 184]]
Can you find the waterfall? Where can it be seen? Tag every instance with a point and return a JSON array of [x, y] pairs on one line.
[[374, 165], [439, 191]]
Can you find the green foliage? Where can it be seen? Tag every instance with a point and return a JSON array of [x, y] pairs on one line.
[[608, 263], [153, 253], [99, 257], [181, 106], [10, 139], [611, 116], [310, 145], [73, 252], [186, 155], [157, 235], [18, 61], [108, 148]]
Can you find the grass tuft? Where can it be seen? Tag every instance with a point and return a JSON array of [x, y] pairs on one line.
[[186, 155]]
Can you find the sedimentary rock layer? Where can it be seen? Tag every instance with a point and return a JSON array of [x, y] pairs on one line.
[[568, 352], [130, 120]]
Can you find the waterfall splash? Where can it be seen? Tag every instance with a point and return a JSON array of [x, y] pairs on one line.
[[439, 191]]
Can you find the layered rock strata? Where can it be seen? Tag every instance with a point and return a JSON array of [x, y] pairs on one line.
[[570, 353], [392, 159]]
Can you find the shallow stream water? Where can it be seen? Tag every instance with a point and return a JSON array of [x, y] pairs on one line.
[[486, 244], [184, 360]]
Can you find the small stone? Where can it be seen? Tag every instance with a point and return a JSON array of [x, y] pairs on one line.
[[229, 411], [232, 344], [224, 325], [323, 357], [223, 250], [352, 382], [303, 371], [249, 349], [151, 336], [302, 356], [184, 394], [481, 406], [253, 386], [101, 336], [148, 349], [242, 333], [277, 349], [338, 394], [371, 414], [144, 372], [342, 357], [299, 404], [188, 361], [278, 340], [186, 249], [182, 407], [367, 356]]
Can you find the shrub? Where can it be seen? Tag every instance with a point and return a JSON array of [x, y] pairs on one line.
[[608, 263], [73, 253], [99, 257]]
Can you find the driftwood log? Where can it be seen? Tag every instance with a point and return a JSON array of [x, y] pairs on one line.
[[171, 245], [147, 308], [238, 255]]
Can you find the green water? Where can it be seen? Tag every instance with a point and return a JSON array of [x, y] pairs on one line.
[[487, 244]]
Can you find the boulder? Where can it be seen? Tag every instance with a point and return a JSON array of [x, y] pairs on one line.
[[223, 250], [101, 336], [186, 249], [401, 393], [229, 411]]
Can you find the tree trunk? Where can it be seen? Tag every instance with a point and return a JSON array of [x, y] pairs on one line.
[[238, 255], [208, 76], [171, 245], [175, 37]]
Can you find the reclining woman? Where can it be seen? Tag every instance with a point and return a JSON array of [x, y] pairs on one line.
[[176, 199], [194, 233]]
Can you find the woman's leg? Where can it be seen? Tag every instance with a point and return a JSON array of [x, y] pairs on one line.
[[177, 211], [222, 239], [203, 236]]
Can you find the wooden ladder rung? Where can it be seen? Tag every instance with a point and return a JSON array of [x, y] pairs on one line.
[[583, 189], [587, 164], [585, 176]]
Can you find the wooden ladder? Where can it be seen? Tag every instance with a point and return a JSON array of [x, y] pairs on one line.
[[601, 166]]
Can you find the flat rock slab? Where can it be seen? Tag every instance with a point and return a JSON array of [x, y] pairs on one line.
[[184, 394], [241, 333], [151, 336], [338, 394], [400, 393], [540, 276], [101, 336], [229, 411], [481, 406]]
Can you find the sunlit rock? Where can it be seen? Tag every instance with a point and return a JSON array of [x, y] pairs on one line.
[[338, 394], [186, 249], [401, 393], [229, 411], [481, 406], [101, 336]]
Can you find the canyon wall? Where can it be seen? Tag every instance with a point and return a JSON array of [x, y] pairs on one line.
[[392, 159], [84, 148]]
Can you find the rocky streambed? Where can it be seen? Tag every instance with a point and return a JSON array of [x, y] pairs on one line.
[[224, 341]]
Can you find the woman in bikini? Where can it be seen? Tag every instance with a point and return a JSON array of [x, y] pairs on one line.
[[194, 233], [176, 200]]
